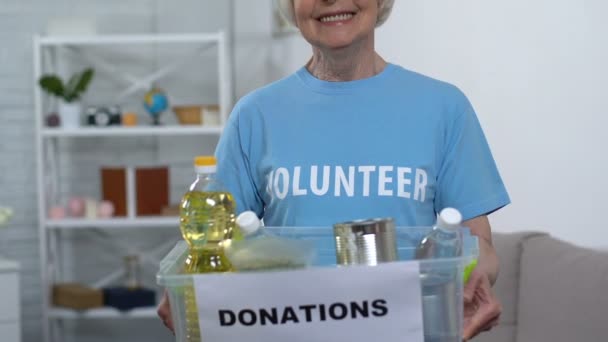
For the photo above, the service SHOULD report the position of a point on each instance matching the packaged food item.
(261, 250)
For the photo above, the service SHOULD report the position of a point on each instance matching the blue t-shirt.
(307, 152)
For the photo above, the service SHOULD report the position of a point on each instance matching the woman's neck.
(348, 64)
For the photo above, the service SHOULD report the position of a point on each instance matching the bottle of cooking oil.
(208, 224)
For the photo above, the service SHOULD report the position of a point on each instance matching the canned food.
(365, 242)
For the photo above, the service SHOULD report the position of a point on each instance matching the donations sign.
(356, 303)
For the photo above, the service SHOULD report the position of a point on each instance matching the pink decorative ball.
(57, 213)
(76, 207)
(105, 209)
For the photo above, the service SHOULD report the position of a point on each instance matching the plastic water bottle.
(445, 239)
(441, 286)
(261, 249)
(250, 225)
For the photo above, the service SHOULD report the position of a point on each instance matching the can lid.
(367, 226)
(249, 222)
(449, 218)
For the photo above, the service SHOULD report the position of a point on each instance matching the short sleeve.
(234, 167)
(468, 178)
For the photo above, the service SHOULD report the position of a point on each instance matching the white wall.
(19, 21)
(534, 71)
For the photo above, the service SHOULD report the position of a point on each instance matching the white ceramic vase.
(69, 114)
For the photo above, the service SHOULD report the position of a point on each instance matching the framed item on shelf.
(152, 189)
(149, 190)
(114, 189)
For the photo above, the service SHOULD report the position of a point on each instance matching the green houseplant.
(5, 215)
(69, 94)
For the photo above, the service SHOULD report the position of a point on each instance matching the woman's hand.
(164, 312)
(481, 307)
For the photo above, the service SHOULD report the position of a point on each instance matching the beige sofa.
(551, 291)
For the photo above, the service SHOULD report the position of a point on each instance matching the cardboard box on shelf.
(77, 296)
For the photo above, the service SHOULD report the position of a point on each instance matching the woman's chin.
(337, 44)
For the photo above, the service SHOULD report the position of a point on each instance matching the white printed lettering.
(314, 171)
(420, 185)
(358, 179)
(402, 181)
(366, 170)
(281, 194)
(269, 184)
(383, 179)
(342, 182)
(296, 183)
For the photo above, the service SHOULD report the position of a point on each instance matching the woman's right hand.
(164, 311)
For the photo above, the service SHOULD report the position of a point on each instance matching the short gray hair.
(286, 8)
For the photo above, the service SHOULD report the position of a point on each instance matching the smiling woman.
(287, 9)
(351, 136)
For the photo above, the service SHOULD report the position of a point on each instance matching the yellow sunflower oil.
(208, 224)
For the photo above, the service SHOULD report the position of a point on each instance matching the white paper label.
(357, 303)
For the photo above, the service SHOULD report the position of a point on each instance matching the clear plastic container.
(442, 302)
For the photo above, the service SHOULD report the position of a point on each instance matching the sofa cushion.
(508, 248)
(563, 295)
(501, 333)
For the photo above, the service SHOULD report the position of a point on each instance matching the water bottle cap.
(249, 222)
(449, 218)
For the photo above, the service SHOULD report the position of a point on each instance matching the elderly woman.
(351, 136)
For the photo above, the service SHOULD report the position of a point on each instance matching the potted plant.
(5, 215)
(68, 94)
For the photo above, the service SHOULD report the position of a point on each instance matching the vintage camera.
(103, 116)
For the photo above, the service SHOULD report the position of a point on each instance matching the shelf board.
(132, 131)
(129, 39)
(116, 223)
(147, 312)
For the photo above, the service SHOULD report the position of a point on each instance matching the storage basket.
(442, 303)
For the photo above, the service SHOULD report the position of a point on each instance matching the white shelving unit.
(46, 140)
(131, 131)
(113, 223)
(102, 313)
(10, 310)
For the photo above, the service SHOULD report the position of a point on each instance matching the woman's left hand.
(481, 307)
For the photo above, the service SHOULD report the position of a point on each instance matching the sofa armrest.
(563, 292)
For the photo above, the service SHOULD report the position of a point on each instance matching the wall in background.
(535, 72)
(19, 21)
(532, 70)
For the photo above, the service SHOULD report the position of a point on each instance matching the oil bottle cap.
(205, 161)
(449, 218)
(249, 222)
(205, 164)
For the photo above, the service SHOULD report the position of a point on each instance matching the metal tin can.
(365, 242)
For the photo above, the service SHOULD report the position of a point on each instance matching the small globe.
(156, 102)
